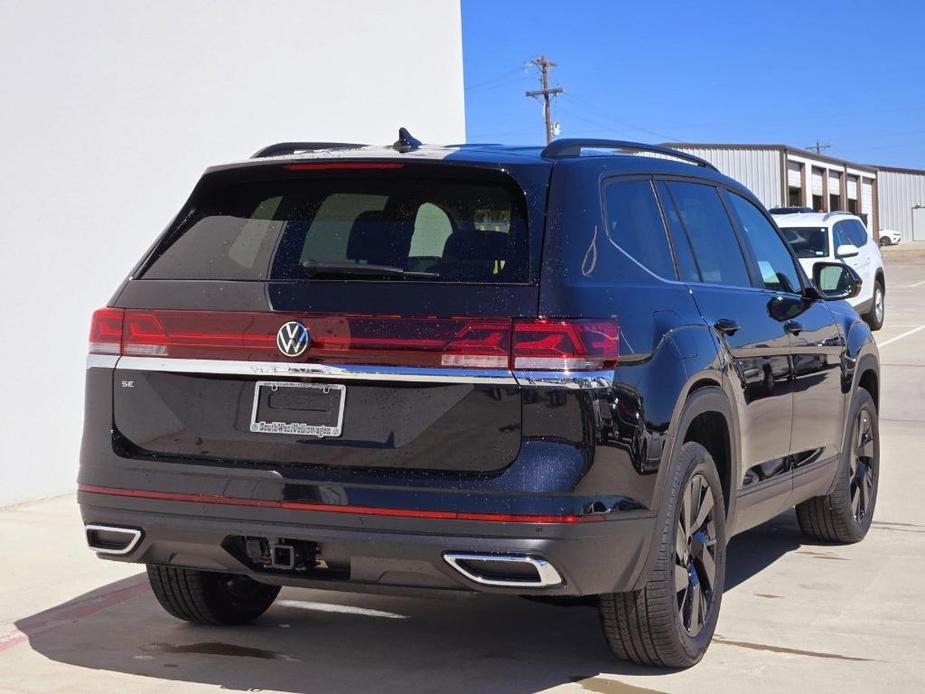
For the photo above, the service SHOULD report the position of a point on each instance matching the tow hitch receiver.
(281, 554)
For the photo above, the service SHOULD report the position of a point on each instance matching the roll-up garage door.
(852, 187)
(794, 177)
(817, 182)
(867, 196)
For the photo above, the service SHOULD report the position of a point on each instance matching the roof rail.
(571, 147)
(835, 212)
(281, 148)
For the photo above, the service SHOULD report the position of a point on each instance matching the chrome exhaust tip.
(507, 570)
(108, 539)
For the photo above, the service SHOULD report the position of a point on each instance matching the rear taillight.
(565, 345)
(430, 342)
(106, 331)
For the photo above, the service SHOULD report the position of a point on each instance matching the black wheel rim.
(695, 554)
(861, 468)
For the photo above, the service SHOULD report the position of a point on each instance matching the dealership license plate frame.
(298, 428)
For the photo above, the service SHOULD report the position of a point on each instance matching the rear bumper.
(379, 554)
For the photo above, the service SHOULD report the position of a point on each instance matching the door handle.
(726, 326)
(792, 327)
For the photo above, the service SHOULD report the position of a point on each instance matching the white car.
(890, 237)
(840, 236)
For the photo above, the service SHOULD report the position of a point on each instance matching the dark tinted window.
(842, 234)
(808, 242)
(859, 233)
(687, 266)
(634, 223)
(775, 264)
(460, 230)
(713, 239)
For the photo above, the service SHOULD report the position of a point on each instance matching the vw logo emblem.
(292, 339)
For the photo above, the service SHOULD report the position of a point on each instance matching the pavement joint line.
(917, 284)
(901, 336)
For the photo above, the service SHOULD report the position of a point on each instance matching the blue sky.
(851, 74)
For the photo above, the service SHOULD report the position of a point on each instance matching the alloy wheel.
(695, 554)
(878, 304)
(861, 467)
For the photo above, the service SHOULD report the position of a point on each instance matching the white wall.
(109, 111)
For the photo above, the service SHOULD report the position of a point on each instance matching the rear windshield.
(807, 242)
(395, 225)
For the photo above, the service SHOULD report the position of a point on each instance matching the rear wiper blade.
(317, 268)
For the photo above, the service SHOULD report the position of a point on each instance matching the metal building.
(902, 201)
(788, 176)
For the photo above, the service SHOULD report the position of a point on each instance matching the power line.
(498, 80)
(546, 92)
(602, 117)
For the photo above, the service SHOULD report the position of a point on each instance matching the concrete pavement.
(795, 615)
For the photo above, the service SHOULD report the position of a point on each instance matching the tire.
(885, 241)
(658, 625)
(878, 310)
(204, 597)
(844, 515)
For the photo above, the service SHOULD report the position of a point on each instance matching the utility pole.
(546, 92)
(818, 147)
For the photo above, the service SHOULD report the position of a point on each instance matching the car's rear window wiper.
(318, 268)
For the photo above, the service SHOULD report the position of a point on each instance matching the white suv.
(840, 236)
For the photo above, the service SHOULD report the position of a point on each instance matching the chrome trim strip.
(102, 361)
(133, 542)
(546, 572)
(573, 380)
(346, 372)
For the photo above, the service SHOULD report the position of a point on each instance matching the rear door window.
(634, 223)
(713, 240)
(841, 235)
(687, 266)
(858, 233)
(404, 225)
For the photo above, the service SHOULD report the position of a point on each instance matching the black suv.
(570, 371)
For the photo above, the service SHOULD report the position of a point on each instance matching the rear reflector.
(335, 508)
(430, 342)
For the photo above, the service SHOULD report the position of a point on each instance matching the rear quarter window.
(634, 223)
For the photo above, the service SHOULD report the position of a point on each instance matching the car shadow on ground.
(319, 641)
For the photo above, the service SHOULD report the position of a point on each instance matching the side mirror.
(846, 250)
(836, 281)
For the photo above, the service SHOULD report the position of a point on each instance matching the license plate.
(303, 409)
